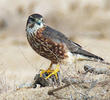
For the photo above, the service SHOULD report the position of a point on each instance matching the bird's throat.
(33, 28)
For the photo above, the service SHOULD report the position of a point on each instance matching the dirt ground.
(19, 64)
(85, 22)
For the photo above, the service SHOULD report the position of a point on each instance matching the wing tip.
(88, 54)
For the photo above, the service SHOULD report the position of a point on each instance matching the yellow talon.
(45, 71)
(54, 72)
(42, 72)
(50, 72)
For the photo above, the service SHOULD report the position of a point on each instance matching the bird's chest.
(46, 47)
(36, 40)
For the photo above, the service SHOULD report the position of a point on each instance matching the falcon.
(54, 45)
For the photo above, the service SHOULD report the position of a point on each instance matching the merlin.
(54, 45)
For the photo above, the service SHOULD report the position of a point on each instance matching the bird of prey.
(54, 45)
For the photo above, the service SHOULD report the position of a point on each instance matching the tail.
(90, 56)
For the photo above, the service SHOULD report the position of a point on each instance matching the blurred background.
(88, 18)
(86, 22)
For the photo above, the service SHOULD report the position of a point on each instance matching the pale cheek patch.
(34, 28)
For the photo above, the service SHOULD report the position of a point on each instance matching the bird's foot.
(49, 73)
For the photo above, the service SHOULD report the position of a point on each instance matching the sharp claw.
(50, 72)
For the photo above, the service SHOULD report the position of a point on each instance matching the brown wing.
(58, 37)
(74, 48)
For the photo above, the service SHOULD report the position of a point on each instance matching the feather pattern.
(73, 47)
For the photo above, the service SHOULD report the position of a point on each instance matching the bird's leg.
(49, 72)
(54, 72)
(50, 66)
(46, 71)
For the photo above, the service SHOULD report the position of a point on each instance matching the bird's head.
(35, 21)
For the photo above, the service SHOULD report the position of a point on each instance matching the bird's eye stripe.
(32, 19)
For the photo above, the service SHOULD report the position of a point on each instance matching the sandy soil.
(19, 64)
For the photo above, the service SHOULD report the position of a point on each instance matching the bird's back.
(73, 47)
(58, 37)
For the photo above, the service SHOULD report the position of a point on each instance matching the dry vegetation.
(86, 22)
